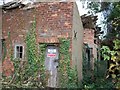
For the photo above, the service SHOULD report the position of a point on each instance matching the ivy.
(10, 49)
(35, 59)
(43, 72)
(32, 73)
(28, 73)
(68, 75)
(32, 50)
(4, 50)
(106, 52)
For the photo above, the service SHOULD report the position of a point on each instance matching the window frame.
(15, 50)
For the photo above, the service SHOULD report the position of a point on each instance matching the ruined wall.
(53, 21)
(89, 39)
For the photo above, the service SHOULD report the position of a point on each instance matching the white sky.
(1, 1)
(82, 10)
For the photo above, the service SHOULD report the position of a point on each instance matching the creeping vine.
(68, 75)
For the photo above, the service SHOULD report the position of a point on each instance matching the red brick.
(54, 19)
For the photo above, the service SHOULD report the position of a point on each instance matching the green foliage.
(10, 50)
(98, 84)
(4, 50)
(106, 52)
(117, 44)
(94, 7)
(28, 73)
(96, 80)
(68, 75)
(115, 12)
(114, 56)
(114, 19)
(32, 73)
(32, 49)
(35, 59)
(43, 72)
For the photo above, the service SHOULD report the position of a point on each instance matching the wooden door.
(51, 64)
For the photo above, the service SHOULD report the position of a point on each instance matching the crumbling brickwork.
(89, 36)
(53, 21)
(89, 40)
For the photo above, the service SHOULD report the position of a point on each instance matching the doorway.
(51, 64)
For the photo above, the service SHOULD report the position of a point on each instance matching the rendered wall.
(77, 41)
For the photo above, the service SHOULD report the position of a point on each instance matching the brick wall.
(53, 21)
(89, 39)
(89, 36)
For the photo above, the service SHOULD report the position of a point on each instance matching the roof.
(89, 21)
(12, 5)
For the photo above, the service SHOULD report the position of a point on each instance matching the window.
(3, 46)
(19, 51)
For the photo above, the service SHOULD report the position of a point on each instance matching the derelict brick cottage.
(53, 21)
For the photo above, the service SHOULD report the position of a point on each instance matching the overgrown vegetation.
(44, 75)
(68, 75)
(27, 74)
(4, 50)
(94, 80)
(111, 41)
(31, 73)
(114, 57)
(97, 78)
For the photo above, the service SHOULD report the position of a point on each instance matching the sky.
(1, 1)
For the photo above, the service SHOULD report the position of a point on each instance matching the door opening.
(51, 64)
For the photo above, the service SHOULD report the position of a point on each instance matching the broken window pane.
(20, 55)
(17, 48)
(19, 51)
(21, 48)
